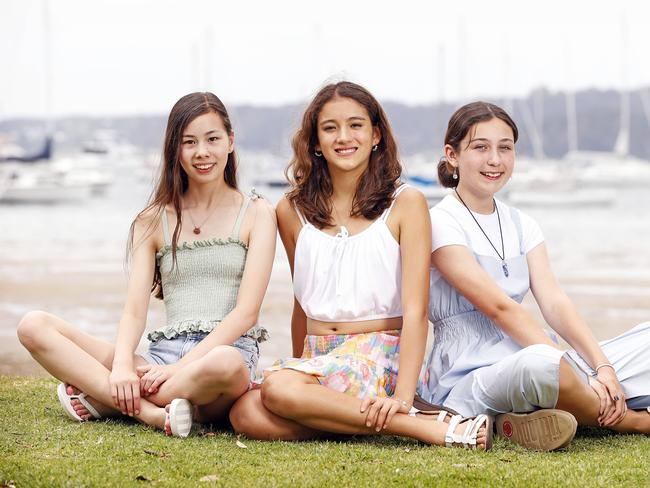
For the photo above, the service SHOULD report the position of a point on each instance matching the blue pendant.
(504, 266)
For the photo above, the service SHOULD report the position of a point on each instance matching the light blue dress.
(474, 367)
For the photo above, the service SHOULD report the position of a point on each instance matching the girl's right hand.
(125, 390)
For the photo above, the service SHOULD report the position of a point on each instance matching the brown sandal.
(541, 430)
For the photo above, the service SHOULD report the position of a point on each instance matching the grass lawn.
(40, 446)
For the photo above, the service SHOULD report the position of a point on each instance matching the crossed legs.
(212, 382)
(293, 406)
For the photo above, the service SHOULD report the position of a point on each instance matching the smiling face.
(205, 146)
(346, 135)
(485, 159)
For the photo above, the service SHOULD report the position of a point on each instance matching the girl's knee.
(534, 375)
(246, 415)
(279, 395)
(224, 366)
(31, 327)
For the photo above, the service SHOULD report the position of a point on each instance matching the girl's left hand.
(617, 408)
(381, 410)
(154, 375)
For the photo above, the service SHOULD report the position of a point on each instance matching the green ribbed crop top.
(202, 288)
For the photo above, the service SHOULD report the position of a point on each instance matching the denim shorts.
(170, 351)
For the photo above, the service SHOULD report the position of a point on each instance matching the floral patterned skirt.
(360, 365)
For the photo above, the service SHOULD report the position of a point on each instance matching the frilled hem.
(220, 241)
(259, 334)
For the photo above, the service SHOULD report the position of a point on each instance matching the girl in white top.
(358, 244)
(489, 355)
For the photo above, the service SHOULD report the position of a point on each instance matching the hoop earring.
(318, 154)
(374, 148)
(455, 175)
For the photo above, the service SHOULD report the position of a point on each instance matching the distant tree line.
(419, 128)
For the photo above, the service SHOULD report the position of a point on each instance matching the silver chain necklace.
(502, 256)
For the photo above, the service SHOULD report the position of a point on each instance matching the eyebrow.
(484, 139)
(206, 134)
(354, 117)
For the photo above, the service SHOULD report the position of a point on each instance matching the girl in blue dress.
(489, 354)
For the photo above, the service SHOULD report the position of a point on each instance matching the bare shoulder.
(263, 210)
(147, 227)
(411, 199)
(261, 204)
(149, 218)
(285, 211)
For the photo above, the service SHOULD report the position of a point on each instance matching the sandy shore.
(93, 301)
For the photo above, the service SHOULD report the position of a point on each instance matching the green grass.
(40, 446)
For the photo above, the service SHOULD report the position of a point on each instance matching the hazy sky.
(139, 56)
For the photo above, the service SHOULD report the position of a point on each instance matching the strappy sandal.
(66, 402)
(421, 406)
(179, 416)
(547, 429)
(468, 438)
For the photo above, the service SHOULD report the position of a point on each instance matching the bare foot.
(81, 410)
(481, 435)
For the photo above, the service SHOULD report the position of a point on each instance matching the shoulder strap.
(302, 218)
(398, 190)
(240, 217)
(165, 227)
(516, 219)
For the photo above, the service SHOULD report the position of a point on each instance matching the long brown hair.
(309, 175)
(460, 124)
(173, 182)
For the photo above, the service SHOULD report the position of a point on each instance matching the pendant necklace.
(197, 228)
(502, 256)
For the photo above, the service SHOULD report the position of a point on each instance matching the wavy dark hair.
(309, 175)
(172, 181)
(460, 123)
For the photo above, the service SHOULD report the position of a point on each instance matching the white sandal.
(468, 438)
(66, 403)
(180, 417)
(439, 413)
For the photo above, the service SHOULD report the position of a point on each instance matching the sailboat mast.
(622, 145)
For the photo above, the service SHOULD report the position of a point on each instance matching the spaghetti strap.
(240, 217)
(165, 227)
(396, 193)
(302, 218)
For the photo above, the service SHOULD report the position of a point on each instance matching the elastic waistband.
(468, 324)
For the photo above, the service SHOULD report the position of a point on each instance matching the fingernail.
(378, 429)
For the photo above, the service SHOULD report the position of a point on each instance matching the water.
(69, 259)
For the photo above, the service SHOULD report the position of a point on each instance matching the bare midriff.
(318, 327)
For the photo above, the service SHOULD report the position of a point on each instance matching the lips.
(492, 175)
(204, 167)
(345, 151)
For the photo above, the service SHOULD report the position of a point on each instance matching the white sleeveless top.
(346, 278)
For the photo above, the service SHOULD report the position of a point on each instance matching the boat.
(39, 185)
(578, 197)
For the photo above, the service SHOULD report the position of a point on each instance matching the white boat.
(38, 184)
(585, 197)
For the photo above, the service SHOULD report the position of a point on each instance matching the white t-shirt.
(451, 222)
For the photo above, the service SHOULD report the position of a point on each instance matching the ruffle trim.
(259, 334)
(214, 241)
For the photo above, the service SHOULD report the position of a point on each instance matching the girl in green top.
(207, 250)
